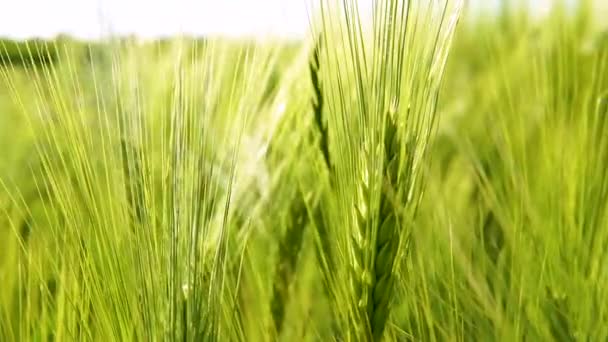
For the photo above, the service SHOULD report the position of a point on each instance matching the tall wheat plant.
(380, 76)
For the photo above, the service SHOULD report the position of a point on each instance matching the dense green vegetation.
(410, 180)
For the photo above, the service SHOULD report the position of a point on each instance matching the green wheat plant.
(142, 181)
(380, 88)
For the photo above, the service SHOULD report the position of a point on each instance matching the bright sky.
(91, 19)
(151, 18)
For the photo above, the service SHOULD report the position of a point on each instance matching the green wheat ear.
(387, 240)
(373, 280)
(318, 101)
(291, 241)
(322, 132)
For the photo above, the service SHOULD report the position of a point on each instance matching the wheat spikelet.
(376, 245)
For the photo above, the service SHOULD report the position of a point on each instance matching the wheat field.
(430, 173)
